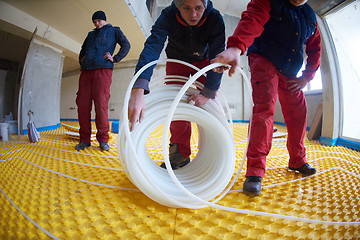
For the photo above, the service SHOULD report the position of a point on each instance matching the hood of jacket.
(207, 11)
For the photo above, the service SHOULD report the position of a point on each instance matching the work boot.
(104, 146)
(82, 146)
(176, 159)
(252, 185)
(305, 169)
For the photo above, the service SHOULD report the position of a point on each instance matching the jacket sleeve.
(313, 52)
(124, 45)
(216, 46)
(152, 49)
(82, 51)
(251, 24)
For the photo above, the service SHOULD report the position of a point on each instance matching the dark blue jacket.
(282, 41)
(100, 41)
(187, 43)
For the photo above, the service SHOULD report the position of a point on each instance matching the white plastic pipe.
(202, 182)
(207, 175)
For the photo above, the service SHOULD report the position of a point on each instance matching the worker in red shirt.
(274, 33)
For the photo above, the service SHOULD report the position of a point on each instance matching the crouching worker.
(196, 34)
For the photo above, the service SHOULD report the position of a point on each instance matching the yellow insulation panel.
(51, 191)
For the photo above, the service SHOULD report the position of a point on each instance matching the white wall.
(236, 90)
(69, 87)
(122, 75)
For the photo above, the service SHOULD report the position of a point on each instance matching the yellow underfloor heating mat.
(48, 190)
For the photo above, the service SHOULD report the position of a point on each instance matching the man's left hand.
(297, 84)
(108, 56)
(198, 99)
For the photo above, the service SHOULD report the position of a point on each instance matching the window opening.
(345, 31)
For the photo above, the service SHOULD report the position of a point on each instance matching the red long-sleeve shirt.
(251, 26)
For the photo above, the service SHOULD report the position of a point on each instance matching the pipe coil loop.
(202, 182)
(207, 175)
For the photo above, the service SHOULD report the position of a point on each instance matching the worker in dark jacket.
(274, 33)
(196, 33)
(97, 62)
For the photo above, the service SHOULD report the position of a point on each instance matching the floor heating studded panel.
(49, 190)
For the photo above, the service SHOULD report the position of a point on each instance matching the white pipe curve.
(185, 194)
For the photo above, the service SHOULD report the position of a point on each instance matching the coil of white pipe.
(207, 175)
(193, 185)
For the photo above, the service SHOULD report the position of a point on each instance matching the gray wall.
(41, 86)
(9, 90)
(2, 94)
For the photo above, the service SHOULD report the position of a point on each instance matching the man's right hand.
(230, 56)
(136, 108)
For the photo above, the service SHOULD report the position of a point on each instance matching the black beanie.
(99, 15)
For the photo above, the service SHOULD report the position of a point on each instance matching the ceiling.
(64, 24)
(322, 7)
(235, 7)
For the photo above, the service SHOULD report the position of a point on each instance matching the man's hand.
(297, 84)
(198, 99)
(136, 109)
(108, 56)
(230, 56)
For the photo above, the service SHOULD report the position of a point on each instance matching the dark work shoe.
(82, 146)
(176, 159)
(252, 185)
(104, 146)
(305, 169)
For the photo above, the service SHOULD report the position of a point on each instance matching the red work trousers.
(94, 85)
(181, 130)
(267, 83)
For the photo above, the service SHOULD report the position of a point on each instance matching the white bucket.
(4, 131)
(12, 126)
